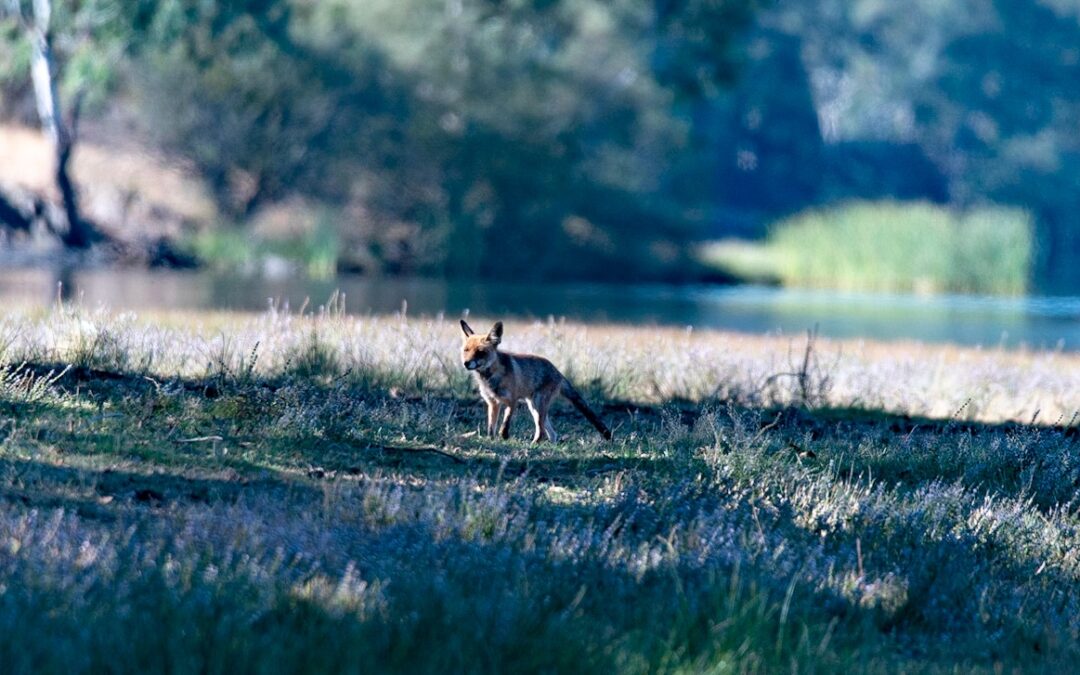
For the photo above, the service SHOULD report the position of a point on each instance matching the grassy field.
(281, 493)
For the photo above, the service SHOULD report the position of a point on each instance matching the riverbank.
(195, 491)
(1033, 323)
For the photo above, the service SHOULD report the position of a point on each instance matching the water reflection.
(1045, 322)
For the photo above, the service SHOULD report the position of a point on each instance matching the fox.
(504, 379)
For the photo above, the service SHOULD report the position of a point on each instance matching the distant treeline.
(580, 138)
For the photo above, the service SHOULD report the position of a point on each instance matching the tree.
(463, 137)
(36, 21)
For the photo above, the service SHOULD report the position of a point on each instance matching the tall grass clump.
(223, 248)
(314, 250)
(894, 246)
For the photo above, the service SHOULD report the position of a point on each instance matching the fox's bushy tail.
(574, 397)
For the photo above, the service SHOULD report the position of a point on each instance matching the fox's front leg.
(492, 416)
(504, 428)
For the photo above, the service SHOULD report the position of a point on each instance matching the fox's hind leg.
(539, 406)
(536, 404)
(552, 436)
(544, 406)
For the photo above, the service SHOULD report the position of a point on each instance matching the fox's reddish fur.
(504, 379)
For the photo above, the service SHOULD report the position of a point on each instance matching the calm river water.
(1037, 322)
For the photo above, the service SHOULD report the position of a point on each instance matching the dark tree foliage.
(514, 139)
(1003, 118)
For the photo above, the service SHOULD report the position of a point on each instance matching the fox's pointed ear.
(495, 335)
(466, 329)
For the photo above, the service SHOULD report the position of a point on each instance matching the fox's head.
(478, 351)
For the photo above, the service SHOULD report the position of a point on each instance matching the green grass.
(315, 252)
(890, 246)
(276, 493)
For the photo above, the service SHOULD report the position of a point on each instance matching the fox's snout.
(471, 364)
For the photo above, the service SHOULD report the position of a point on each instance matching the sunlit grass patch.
(749, 261)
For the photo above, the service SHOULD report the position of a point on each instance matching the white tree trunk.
(41, 71)
(79, 234)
